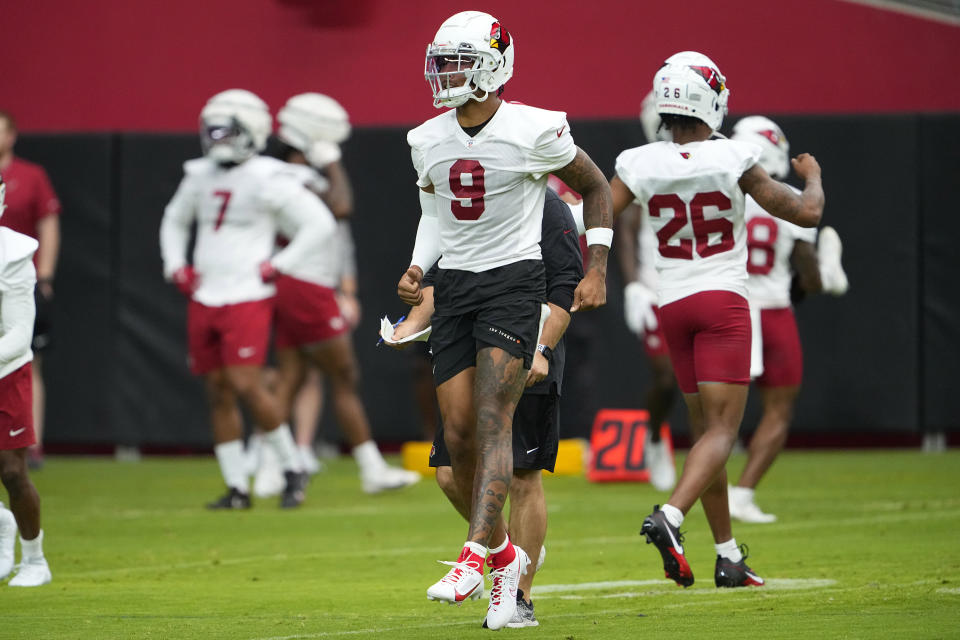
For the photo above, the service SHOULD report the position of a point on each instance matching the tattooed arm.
(582, 175)
(804, 210)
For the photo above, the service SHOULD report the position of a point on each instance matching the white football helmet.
(775, 158)
(650, 120)
(690, 84)
(234, 126)
(473, 45)
(316, 125)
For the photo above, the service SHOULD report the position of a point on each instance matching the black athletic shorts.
(495, 308)
(536, 433)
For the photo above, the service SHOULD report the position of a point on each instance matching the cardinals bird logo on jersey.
(685, 155)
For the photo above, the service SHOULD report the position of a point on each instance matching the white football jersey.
(693, 202)
(18, 278)
(769, 247)
(323, 265)
(490, 188)
(239, 211)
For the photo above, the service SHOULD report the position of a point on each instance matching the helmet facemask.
(445, 67)
(3, 196)
(226, 140)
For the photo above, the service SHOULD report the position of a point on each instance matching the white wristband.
(600, 235)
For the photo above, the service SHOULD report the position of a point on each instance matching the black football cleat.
(232, 499)
(669, 542)
(296, 490)
(736, 574)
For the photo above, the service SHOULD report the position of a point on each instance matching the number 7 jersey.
(691, 197)
(490, 187)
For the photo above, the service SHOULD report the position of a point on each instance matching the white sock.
(476, 548)
(729, 550)
(32, 549)
(368, 457)
(282, 442)
(502, 547)
(253, 452)
(232, 464)
(742, 493)
(674, 516)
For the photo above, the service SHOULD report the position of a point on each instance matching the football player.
(692, 190)
(482, 169)
(311, 329)
(239, 201)
(776, 250)
(18, 278)
(33, 209)
(536, 422)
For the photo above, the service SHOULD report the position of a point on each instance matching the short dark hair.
(11, 123)
(674, 121)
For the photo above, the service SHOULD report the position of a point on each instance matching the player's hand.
(268, 272)
(409, 286)
(186, 280)
(349, 308)
(591, 293)
(403, 329)
(539, 369)
(806, 166)
(638, 304)
(322, 153)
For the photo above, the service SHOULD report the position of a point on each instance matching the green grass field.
(867, 546)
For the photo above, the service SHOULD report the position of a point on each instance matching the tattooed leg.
(497, 389)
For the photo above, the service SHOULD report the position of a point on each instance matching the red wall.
(150, 65)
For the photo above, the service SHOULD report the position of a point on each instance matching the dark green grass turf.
(867, 546)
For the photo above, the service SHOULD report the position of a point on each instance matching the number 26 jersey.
(691, 197)
(490, 187)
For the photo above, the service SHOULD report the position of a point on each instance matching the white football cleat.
(463, 582)
(744, 509)
(663, 473)
(8, 541)
(269, 480)
(388, 478)
(503, 592)
(33, 573)
(829, 250)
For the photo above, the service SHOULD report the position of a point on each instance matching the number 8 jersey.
(693, 201)
(490, 187)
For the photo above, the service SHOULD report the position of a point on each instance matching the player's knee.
(446, 481)
(345, 375)
(13, 475)
(525, 484)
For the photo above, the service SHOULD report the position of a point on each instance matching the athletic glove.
(638, 304)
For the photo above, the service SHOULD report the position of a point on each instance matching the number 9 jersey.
(490, 188)
(691, 197)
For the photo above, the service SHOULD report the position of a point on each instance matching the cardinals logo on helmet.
(775, 138)
(499, 37)
(712, 76)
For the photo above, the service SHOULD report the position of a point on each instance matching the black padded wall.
(877, 360)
